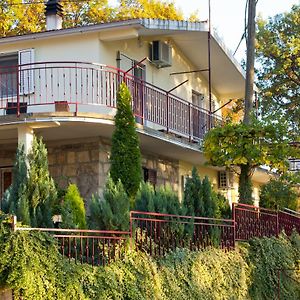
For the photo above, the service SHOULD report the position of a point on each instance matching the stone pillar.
(25, 137)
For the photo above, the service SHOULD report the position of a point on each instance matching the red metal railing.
(95, 247)
(87, 87)
(252, 221)
(158, 233)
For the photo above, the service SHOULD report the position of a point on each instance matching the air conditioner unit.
(161, 54)
(225, 179)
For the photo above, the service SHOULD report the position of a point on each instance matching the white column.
(25, 137)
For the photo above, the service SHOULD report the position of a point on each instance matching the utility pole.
(209, 66)
(249, 89)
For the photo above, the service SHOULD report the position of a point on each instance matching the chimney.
(54, 13)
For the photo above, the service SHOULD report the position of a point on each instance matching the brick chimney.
(54, 13)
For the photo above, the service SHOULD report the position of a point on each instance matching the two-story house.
(61, 84)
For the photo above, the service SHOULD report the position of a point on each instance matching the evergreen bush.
(73, 210)
(193, 196)
(125, 151)
(278, 194)
(145, 198)
(32, 193)
(112, 211)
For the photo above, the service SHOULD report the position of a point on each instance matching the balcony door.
(198, 116)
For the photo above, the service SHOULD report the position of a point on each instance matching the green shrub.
(166, 201)
(112, 211)
(125, 151)
(193, 196)
(32, 193)
(31, 265)
(145, 197)
(223, 210)
(278, 194)
(73, 211)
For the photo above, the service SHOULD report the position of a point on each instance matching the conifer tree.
(73, 210)
(111, 212)
(32, 192)
(210, 206)
(145, 198)
(125, 151)
(193, 197)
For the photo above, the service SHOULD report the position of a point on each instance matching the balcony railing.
(294, 164)
(85, 87)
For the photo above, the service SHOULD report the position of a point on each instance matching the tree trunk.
(245, 185)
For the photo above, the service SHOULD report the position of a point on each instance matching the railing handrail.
(179, 216)
(72, 230)
(20, 67)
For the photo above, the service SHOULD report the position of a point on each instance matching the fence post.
(14, 223)
(131, 229)
(277, 223)
(234, 224)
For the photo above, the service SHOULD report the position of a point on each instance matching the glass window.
(8, 75)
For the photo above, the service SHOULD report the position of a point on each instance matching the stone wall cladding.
(84, 162)
(167, 169)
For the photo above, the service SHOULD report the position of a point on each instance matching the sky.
(227, 16)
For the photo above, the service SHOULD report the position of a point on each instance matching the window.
(223, 179)
(5, 180)
(8, 75)
(150, 176)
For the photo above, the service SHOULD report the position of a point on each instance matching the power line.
(45, 2)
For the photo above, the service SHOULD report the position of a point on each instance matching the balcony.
(76, 87)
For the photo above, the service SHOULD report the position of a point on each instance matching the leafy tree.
(248, 147)
(278, 52)
(73, 211)
(18, 18)
(193, 196)
(278, 194)
(112, 211)
(125, 152)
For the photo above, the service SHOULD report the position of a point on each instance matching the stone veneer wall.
(167, 169)
(86, 163)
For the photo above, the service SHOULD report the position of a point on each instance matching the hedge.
(31, 265)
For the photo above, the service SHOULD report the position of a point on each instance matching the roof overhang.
(228, 78)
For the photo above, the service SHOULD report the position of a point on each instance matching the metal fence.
(157, 233)
(252, 221)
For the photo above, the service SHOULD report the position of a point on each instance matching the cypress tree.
(41, 191)
(193, 197)
(210, 206)
(125, 152)
(32, 192)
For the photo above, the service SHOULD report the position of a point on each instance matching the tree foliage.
(278, 194)
(278, 52)
(110, 212)
(125, 151)
(33, 191)
(18, 18)
(73, 210)
(32, 266)
(248, 147)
